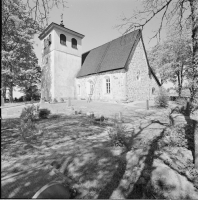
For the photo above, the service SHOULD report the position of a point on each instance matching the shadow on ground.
(81, 154)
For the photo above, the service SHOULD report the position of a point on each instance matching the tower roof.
(54, 25)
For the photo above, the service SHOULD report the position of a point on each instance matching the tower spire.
(62, 20)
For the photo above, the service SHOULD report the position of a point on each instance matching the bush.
(174, 137)
(27, 125)
(44, 113)
(161, 100)
(29, 113)
(61, 100)
(118, 136)
(181, 101)
(28, 130)
(55, 100)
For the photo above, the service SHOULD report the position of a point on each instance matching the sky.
(97, 20)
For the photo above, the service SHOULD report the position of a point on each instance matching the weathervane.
(62, 20)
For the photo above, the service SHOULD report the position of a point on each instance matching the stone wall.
(117, 86)
(139, 83)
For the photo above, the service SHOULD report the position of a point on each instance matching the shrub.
(55, 100)
(50, 99)
(29, 113)
(161, 100)
(28, 130)
(27, 125)
(181, 101)
(61, 100)
(118, 136)
(44, 113)
(174, 137)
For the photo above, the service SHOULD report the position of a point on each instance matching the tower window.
(108, 86)
(63, 39)
(138, 75)
(74, 43)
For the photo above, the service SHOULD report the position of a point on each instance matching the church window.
(74, 43)
(49, 40)
(153, 90)
(78, 89)
(44, 43)
(138, 75)
(108, 90)
(63, 39)
(91, 87)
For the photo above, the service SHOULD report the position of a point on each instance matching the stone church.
(115, 71)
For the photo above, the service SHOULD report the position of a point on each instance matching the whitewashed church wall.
(117, 86)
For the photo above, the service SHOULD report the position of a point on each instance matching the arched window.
(153, 90)
(44, 43)
(138, 75)
(78, 89)
(108, 85)
(74, 43)
(91, 87)
(62, 39)
(49, 39)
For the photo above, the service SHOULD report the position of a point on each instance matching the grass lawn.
(73, 149)
(82, 151)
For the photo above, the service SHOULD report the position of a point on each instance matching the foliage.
(118, 136)
(172, 60)
(174, 137)
(28, 130)
(44, 113)
(181, 101)
(29, 113)
(28, 127)
(161, 99)
(55, 100)
(19, 62)
(62, 100)
(32, 93)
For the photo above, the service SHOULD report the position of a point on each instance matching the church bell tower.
(61, 61)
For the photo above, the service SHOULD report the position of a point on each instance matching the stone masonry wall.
(139, 88)
(117, 86)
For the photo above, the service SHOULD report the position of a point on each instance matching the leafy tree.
(172, 59)
(31, 93)
(175, 13)
(18, 57)
(21, 19)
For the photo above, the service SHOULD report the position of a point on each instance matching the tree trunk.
(11, 94)
(179, 84)
(179, 90)
(4, 92)
(194, 14)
